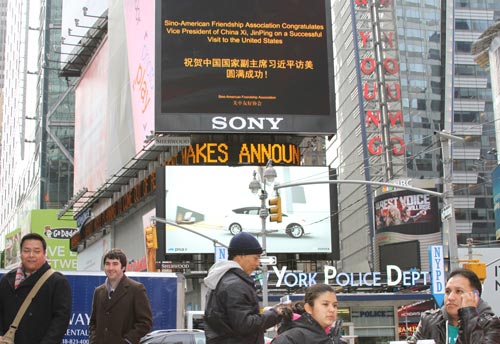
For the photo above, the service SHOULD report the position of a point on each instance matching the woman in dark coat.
(320, 313)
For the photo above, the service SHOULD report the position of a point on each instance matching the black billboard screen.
(406, 255)
(244, 66)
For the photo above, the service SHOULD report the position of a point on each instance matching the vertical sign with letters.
(436, 260)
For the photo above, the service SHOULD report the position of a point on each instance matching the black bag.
(216, 320)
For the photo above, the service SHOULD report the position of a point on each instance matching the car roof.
(161, 332)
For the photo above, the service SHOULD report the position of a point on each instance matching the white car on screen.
(248, 219)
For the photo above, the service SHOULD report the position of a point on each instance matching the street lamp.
(255, 186)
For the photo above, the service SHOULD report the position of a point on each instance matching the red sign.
(389, 92)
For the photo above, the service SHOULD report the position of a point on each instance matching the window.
(462, 24)
(435, 71)
(424, 164)
(435, 105)
(421, 104)
(463, 47)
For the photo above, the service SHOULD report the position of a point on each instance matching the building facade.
(418, 37)
(37, 141)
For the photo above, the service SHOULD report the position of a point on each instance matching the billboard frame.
(245, 121)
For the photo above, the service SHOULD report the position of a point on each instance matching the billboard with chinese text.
(249, 66)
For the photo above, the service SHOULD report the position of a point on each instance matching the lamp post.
(449, 231)
(255, 186)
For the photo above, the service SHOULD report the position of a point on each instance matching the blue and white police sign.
(436, 260)
(220, 253)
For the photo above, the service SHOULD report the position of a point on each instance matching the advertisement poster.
(410, 222)
(139, 22)
(56, 233)
(216, 201)
(406, 212)
(12, 250)
(162, 294)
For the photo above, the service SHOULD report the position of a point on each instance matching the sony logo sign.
(246, 123)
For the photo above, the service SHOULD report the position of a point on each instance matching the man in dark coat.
(47, 318)
(232, 314)
(121, 312)
(464, 317)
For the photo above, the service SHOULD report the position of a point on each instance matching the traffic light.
(275, 209)
(151, 240)
(476, 266)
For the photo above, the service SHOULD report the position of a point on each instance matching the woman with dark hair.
(320, 312)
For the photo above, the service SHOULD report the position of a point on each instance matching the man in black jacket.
(232, 314)
(464, 318)
(47, 317)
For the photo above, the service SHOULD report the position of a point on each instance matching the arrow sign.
(268, 260)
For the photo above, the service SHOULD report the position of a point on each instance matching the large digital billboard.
(249, 66)
(216, 201)
(405, 217)
(406, 212)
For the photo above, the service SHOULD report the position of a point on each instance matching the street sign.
(268, 260)
(221, 253)
(446, 212)
(167, 266)
(173, 140)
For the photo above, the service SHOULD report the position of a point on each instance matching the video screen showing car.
(216, 201)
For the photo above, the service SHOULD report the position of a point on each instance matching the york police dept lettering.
(394, 276)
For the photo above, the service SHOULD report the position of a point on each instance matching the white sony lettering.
(219, 122)
(234, 120)
(274, 122)
(250, 123)
(258, 122)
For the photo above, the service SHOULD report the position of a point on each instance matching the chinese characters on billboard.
(244, 66)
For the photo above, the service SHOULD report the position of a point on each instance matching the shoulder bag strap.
(30, 297)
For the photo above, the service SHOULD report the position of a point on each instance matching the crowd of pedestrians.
(35, 301)
(35, 305)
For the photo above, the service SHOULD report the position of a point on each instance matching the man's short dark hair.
(34, 236)
(474, 281)
(116, 253)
